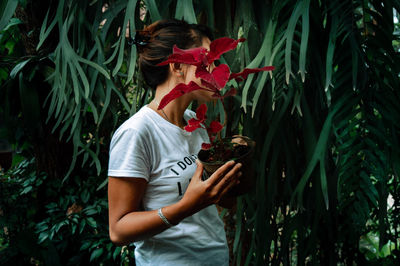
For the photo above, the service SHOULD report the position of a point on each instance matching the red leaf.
(215, 80)
(206, 146)
(210, 86)
(182, 59)
(221, 75)
(245, 72)
(194, 56)
(202, 72)
(215, 127)
(201, 112)
(198, 53)
(178, 91)
(191, 128)
(194, 123)
(221, 46)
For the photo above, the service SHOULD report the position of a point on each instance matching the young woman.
(157, 197)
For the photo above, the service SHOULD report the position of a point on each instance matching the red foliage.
(213, 81)
(221, 46)
(194, 56)
(214, 127)
(206, 146)
(195, 123)
(245, 72)
(177, 92)
(199, 121)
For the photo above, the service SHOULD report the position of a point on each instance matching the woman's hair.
(155, 43)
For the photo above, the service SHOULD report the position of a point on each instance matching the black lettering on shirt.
(179, 189)
(188, 161)
(172, 169)
(182, 165)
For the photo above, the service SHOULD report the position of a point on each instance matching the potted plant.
(214, 79)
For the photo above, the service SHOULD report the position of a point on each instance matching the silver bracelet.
(165, 220)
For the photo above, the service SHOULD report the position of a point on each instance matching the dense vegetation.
(326, 123)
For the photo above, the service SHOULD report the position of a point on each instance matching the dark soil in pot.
(237, 148)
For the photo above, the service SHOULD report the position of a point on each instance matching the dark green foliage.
(56, 225)
(326, 124)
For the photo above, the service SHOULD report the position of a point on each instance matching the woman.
(157, 198)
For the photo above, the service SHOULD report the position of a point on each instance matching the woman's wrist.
(175, 213)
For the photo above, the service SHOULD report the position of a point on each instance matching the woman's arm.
(127, 223)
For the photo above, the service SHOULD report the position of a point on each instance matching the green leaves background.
(325, 121)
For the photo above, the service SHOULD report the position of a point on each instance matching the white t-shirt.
(147, 146)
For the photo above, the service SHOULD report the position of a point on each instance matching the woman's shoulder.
(145, 122)
(138, 124)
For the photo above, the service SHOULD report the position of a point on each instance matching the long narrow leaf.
(304, 38)
(152, 7)
(184, 10)
(7, 13)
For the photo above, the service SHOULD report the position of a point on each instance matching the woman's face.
(201, 95)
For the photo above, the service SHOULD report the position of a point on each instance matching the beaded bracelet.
(165, 220)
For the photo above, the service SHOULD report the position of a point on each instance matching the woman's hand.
(128, 223)
(201, 194)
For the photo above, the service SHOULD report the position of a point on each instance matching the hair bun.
(156, 41)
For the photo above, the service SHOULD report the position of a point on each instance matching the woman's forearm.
(138, 225)
(128, 224)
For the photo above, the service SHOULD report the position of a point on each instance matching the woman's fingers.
(200, 194)
(199, 170)
(220, 173)
(230, 185)
(229, 179)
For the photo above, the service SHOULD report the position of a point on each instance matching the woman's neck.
(174, 110)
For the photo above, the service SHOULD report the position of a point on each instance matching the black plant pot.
(247, 179)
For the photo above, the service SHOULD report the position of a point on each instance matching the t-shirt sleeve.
(128, 155)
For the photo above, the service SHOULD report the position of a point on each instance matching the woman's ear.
(176, 69)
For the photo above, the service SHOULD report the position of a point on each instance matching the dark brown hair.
(159, 39)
